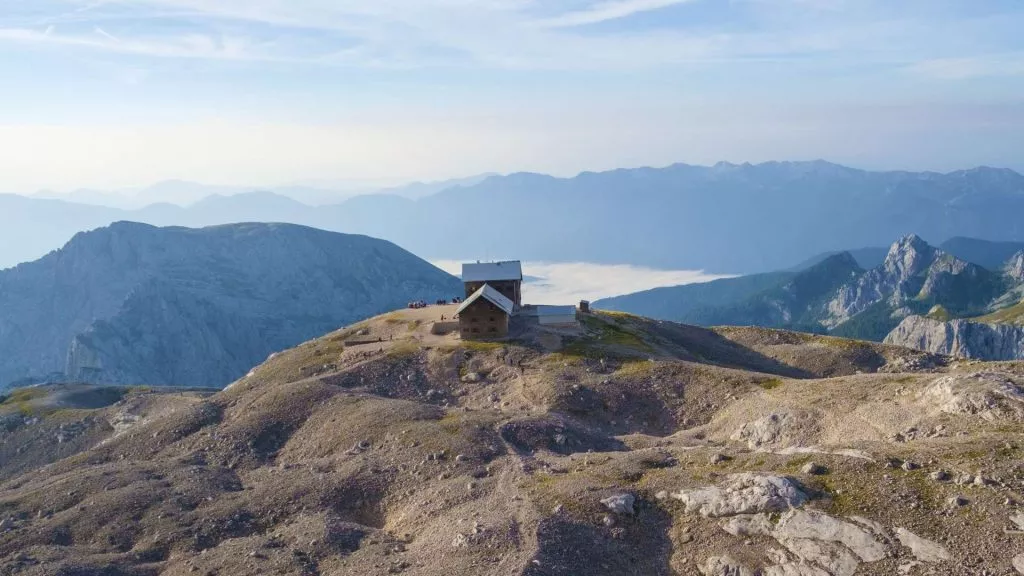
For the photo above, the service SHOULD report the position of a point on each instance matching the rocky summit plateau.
(627, 446)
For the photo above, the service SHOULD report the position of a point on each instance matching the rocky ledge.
(960, 338)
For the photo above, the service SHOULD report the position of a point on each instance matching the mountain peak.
(909, 256)
(166, 306)
(911, 241)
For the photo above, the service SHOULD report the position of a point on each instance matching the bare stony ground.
(629, 447)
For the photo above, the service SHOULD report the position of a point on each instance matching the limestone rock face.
(778, 430)
(960, 338)
(1018, 564)
(914, 271)
(745, 493)
(815, 539)
(620, 503)
(136, 304)
(907, 260)
(923, 549)
(987, 395)
(1015, 267)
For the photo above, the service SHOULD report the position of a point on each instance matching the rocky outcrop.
(1014, 268)
(815, 543)
(136, 304)
(776, 431)
(743, 494)
(960, 338)
(990, 396)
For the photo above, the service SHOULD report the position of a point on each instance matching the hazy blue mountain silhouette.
(135, 304)
(725, 218)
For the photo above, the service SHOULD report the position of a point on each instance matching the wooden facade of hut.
(485, 315)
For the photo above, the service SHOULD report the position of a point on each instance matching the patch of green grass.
(1011, 315)
(844, 343)
(793, 465)
(403, 349)
(636, 368)
(938, 312)
(21, 400)
(927, 490)
(843, 503)
(478, 346)
(24, 395)
(69, 414)
(770, 384)
(617, 314)
(451, 423)
(605, 333)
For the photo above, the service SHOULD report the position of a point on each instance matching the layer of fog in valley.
(569, 282)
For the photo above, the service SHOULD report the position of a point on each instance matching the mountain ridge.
(133, 303)
(847, 301)
(641, 216)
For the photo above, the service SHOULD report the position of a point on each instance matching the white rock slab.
(923, 549)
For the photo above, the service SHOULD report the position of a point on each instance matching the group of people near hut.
(423, 304)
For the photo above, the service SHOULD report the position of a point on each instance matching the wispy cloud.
(999, 65)
(605, 11)
(181, 46)
(101, 32)
(528, 34)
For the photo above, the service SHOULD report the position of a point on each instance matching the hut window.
(492, 318)
(493, 329)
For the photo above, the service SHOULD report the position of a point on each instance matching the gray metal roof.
(491, 295)
(554, 311)
(492, 271)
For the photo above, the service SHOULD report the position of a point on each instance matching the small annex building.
(555, 316)
(504, 277)
(485, 314)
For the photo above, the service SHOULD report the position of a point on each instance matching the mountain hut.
(485, 315)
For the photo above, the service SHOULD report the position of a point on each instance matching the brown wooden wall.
(483, 321)
(511, 289)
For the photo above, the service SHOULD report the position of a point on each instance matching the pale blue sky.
(261, 92)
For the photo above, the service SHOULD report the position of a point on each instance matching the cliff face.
(136, 304)
(1015, 267)
(912, 270)
(960, 338)
(913, 278)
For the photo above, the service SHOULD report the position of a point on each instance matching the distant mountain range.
(135, 304)
(838, 296)
(184, 193)
(725, 218)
